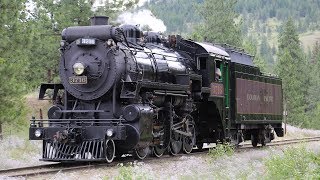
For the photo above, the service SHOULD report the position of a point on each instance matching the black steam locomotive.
(125, 92)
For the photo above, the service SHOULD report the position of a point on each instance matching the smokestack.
(99, 20)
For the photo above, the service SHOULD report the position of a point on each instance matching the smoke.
(143, 18)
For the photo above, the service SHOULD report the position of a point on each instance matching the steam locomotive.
(125, 92)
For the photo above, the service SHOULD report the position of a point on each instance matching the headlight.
(38, 133)
(78, 68)
(109, 132)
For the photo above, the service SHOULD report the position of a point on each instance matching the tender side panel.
(258, 99)
(254, 97)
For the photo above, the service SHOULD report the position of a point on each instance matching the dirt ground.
(17, 153)
(248, 164)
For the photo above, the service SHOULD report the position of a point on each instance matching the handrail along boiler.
(125, 92)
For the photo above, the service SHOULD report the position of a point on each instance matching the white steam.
(143, 18)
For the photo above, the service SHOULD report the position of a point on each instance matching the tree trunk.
(1, 131)
(49, 75)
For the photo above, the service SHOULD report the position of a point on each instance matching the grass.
(295, 163)
(18, 153)
(19, 128)
(221, 150)
(125, 172)
(20, 125)
(128, 172)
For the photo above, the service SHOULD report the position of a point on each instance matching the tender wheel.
(265, 137)
(110, 150)
(263, 140)
(175, 144)
(200, 146)
(188, 141)
(141, 153)
(158, 150)
(254, 140)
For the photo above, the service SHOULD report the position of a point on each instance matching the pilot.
(218, 74)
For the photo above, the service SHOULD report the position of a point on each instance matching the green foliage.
(219, 22)
(313, 98)
(305, 12)
(13, 61)
(292, 67)
(128, 172)
(251, 48)
(295, 163)
(221, 150)
(125, 172)
(29, 48)
(266, 51)
(178, 15)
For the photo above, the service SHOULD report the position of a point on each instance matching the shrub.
(224, 149)
(295, 163)
(131, 171)
(125, 172)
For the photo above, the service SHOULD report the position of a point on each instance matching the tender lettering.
(256, 97)
(268, 99)
(253, 97)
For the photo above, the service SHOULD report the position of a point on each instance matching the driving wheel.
(110, 150)
(188, 141)
(175, 144)
(141, 153)
(158, 150)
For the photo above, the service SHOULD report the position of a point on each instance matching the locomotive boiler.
(125, 92)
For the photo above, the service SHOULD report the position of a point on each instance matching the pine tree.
(313, 98)
(292, 68)
(13, 59)
(250, 46)
(266, 51)
(219, 22)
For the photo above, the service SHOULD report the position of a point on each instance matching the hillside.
(180, 15)
(260, 20)
(309, 39)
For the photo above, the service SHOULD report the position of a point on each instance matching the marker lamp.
(109, 132)
(38, 133)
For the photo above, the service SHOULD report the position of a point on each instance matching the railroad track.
(55, 168)
(40, 169)
(285, 142)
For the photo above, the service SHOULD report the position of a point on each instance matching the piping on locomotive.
(123, 92)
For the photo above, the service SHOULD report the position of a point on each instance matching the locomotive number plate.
(78, 80)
